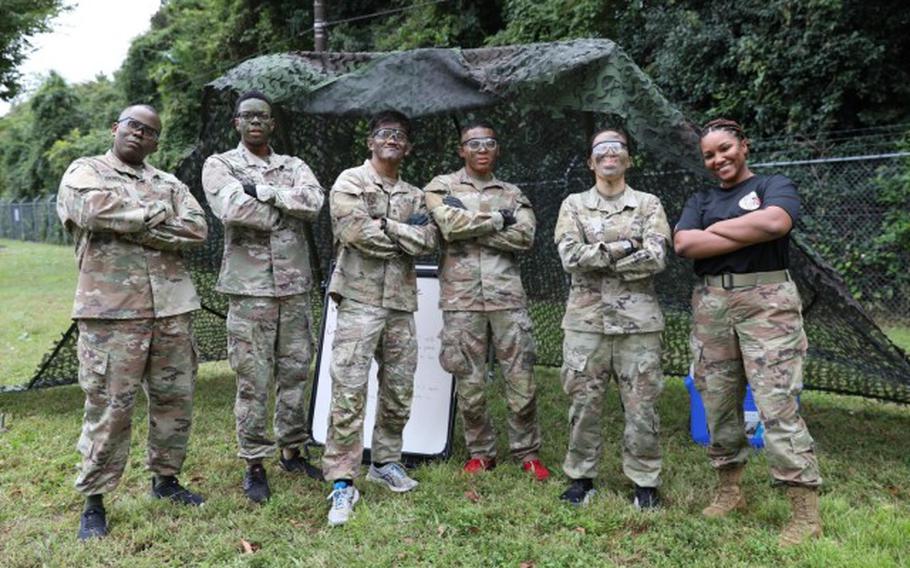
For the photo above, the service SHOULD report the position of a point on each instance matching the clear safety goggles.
(476, 144)
(394, 134)
(608, 148)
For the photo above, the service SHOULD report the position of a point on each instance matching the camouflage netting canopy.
(546, 100)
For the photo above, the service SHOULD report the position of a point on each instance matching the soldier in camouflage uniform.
(134, 297)
(265, 201)
(485, 223)
(612, 240)
(748, 326)
(380, 224)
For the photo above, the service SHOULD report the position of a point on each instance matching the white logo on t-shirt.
(750, 202)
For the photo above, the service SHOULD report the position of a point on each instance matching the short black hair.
(387, 116)
(476, 124)
(252, 95)
(609, 128)
(146, 106)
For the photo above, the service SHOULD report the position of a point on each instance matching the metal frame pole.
(320, 29)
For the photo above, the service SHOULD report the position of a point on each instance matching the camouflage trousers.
(269, 342)
(753, 335)
(589, 360)
(464, 354)
(116, 357)
(362, 333)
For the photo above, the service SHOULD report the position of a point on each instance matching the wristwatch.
(628, 247)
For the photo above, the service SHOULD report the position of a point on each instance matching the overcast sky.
(91, 38)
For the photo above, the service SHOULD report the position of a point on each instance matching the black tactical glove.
(419, 219)
(453, 201)
(508, 218)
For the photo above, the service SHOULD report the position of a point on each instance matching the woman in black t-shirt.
(748, 325)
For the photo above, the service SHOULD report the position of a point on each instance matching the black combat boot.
(256, 484)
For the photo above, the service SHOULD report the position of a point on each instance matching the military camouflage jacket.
(373, 266)
(612, 293)
(266, 252)
(129, 269)
(479, 269)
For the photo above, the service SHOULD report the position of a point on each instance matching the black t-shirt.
(709, 206)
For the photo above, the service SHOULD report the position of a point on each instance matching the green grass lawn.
(498, 519)
(37, 283)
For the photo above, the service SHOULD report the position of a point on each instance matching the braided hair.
(725, 124)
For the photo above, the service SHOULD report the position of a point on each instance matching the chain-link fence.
(32, 220)
(843, 217)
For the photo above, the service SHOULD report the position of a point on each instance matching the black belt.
(729, 281)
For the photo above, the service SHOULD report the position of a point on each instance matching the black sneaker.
(256, 485)
(169, 488)
(646, 498)
(579, 492)
(300, 464)
(93, 524)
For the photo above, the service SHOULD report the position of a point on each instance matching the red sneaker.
(539, 470)
(476, 465)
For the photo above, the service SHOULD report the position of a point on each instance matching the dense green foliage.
(60, 122)
(21, 19)
(779, 66)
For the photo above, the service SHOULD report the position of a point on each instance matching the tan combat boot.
(729, 495)
(805, 522)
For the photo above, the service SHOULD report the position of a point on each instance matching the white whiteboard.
(428, 433)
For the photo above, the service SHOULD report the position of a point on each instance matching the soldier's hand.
(156, 213)
(508, 217)
(453, 201)
(418, 219)
(250, 189)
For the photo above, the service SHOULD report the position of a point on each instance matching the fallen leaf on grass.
(440, 530)
(472, 496)
(297, 524)
(473, 530)
(249, 547)
(408, 540)
(580, 530)
(528, 564)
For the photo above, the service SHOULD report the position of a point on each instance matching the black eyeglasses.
(475, 144)
(143, 129)
(250, 116)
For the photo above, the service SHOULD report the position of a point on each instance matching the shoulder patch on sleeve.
(439, 184)
(349, 182)
(82, 176)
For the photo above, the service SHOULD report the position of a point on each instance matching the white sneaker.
(393, 476)
(342, 504)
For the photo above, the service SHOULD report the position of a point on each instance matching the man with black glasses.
(380, 223)
(485, 224)
(265, 201)
(134, 299)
